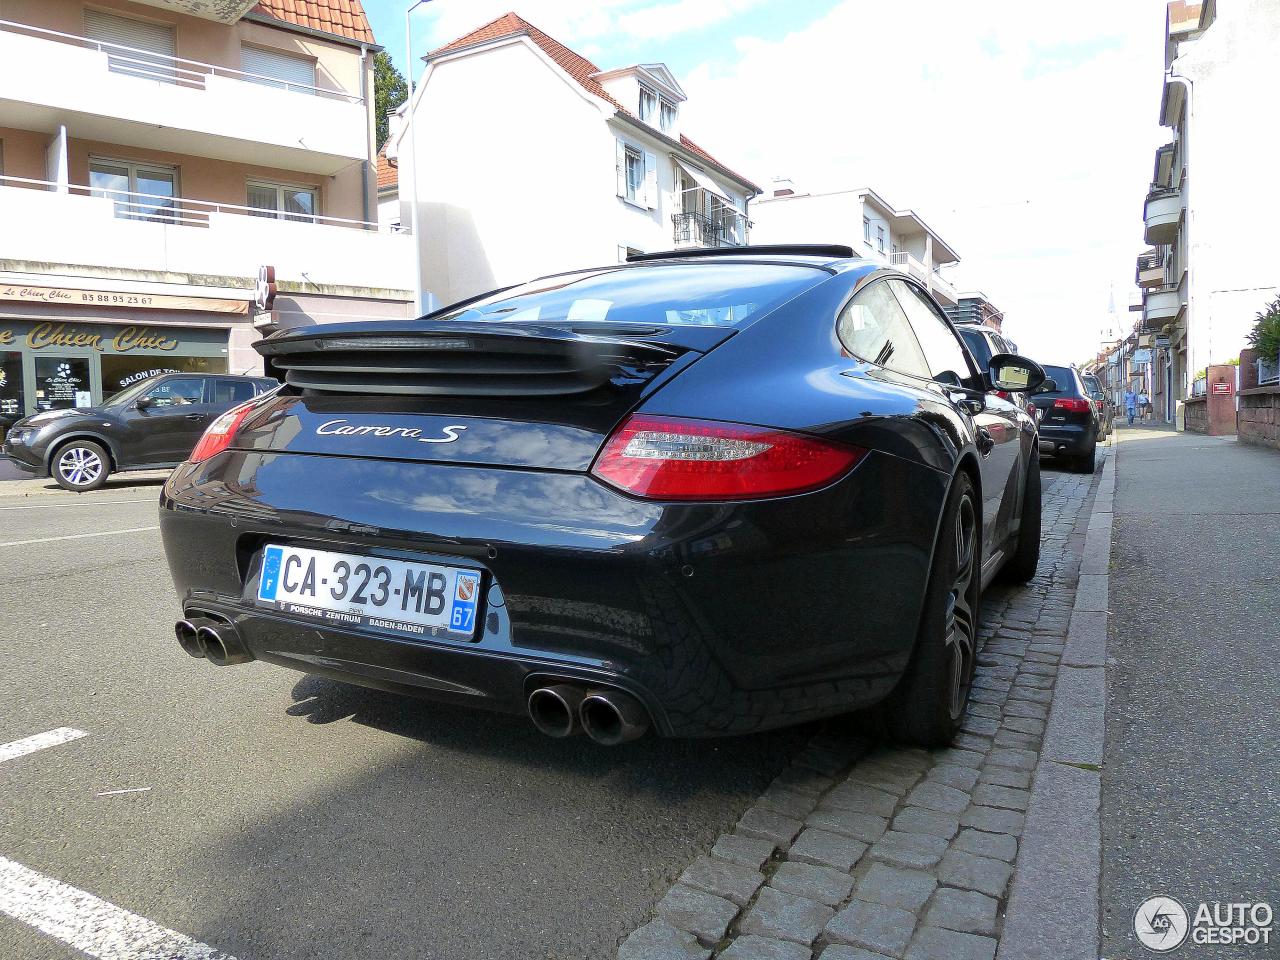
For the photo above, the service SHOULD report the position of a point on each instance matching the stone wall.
(1260, 416)
(1196, 412)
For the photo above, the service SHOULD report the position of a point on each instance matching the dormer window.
(648, 106)
(668, 114)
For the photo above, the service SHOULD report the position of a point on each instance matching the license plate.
(419, 600)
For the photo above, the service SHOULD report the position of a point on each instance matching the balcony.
(224, 11)
(1150, 272)
(130, 231)
(696, 230)
(943, 289)
(1161, 214)
(1159, 306)
(909, 265)
(115, 94)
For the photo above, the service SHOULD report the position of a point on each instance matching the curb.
(1054, 904)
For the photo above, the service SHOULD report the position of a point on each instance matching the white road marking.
(75, 536)
(90, 924)
(79, 503)
(20, 748)
(115, 793)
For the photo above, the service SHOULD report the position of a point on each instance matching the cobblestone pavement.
(862, 850)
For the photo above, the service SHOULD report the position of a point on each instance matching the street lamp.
(410, 131)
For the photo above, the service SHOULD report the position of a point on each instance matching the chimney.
(783, 187)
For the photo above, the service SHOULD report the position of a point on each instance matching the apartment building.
(542, 161)
(861, 219)
(972, 306)
(1208, 222)
(155, 157)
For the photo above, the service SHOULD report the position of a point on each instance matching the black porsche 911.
(704, 492)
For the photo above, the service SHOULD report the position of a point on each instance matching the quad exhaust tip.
(554, 710)
(609, 717)
(217, 642)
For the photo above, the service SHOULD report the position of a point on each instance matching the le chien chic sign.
(64, 335)
(107, 298)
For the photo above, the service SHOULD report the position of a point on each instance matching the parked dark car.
(1106, 409)
(706, 492)
(985, 343)
(152, 423)
(1069, 422)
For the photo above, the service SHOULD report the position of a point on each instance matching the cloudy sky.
(1022, 131)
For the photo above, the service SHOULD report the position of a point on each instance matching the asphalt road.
(287, 817)
(1191, 784)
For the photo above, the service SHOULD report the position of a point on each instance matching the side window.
(181, 391)
(943, 354)
(874, 328)
(232, 391)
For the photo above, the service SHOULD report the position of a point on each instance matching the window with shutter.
(138, 48)
(275, 68)
(650, 181)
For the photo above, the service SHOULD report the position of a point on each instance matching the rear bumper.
(719, 618)
(1069, 440)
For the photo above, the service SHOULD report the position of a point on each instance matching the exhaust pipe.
(188, 634)
(611, 717)
(222, 646)
(554, 710)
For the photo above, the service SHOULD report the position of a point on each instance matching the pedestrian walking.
(1130, 405)
(1144, 405)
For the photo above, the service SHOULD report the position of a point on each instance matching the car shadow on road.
(667, 769)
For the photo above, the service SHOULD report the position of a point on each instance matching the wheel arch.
(56, 447)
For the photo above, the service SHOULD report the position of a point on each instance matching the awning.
(701, 179)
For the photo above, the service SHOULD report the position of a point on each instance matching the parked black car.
(1106, 409)
(1070, 425)
(152, 423)
(709, 492)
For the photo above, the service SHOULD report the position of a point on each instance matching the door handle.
(195, 416)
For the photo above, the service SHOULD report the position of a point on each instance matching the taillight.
(671, 458)
(221, 432)
(1072, 404)
(1004, 394)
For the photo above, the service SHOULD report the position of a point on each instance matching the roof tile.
(343, 18)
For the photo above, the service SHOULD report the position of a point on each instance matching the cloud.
(1023, 132)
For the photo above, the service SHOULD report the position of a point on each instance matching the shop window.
(62, 383)
(10, 388)
(120, 372)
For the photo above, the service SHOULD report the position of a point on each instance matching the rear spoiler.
(494, 359)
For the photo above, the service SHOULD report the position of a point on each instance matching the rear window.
(1092, 385)
(1065, 379)
(697, 294)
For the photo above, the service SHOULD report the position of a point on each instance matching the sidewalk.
(1191, 784)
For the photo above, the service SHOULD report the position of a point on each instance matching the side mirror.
(1008, 371)
(142, 403)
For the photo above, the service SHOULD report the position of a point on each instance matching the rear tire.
(927, 707)
(80, 466)
(1021, 567)
(1085, 463)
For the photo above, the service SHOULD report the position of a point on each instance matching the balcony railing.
(185, 211)
(134, 62)
(698, 230)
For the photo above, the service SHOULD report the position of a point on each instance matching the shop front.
(52, 364)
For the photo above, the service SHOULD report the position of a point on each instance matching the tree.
(389, 91)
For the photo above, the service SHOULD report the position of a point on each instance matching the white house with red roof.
(534, 160)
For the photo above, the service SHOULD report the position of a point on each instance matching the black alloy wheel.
(927, 707)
